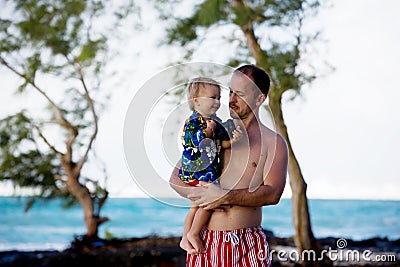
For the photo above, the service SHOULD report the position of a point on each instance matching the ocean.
(49, 226)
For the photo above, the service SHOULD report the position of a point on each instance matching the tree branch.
(59, 116)
(60, 119)
(102, 166)
(101, 220)
(46, 141)
(297, 45)
(260, 18)
(102, 200)
(59, 178)
(95, 121)
(248, 31)
(296, 51)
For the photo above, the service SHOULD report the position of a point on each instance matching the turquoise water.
(49, 226)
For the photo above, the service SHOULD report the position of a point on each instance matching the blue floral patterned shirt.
(200, 159)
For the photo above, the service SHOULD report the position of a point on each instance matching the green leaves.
(20, 158)
(211, 11)
(45, 33)
(183, 32)
(46, 25)
(8, 42)
(30, 168)
(89, 51)
(206, 14)
(14, 130)
(22, 161)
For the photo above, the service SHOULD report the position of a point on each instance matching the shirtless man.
(254, 175)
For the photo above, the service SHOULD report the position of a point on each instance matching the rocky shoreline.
(165, 252)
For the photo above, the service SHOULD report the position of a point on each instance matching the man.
(254, 175)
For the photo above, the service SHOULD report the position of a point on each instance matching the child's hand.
(236, 135)
(211, 124)
(202, 183)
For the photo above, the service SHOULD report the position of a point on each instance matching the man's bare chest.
(243, 164)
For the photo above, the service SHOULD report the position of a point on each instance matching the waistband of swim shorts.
(241, 231)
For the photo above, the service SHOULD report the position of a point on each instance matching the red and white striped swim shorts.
(235, 248)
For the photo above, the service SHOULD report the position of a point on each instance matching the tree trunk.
(304, 237)
(82, 194)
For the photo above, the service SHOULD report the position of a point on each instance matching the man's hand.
(209, 196)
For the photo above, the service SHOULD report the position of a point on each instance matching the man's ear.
(261, 98)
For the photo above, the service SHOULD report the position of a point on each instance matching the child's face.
(207, 100)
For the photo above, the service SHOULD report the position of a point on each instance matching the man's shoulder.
(268, 132)
(272, 136)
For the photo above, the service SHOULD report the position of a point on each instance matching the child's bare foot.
(185, 245)
(196, 242)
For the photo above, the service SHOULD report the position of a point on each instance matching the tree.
(57, 49)
(270, 33)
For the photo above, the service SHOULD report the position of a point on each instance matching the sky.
(344, 128)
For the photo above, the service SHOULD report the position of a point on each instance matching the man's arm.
(275, 170)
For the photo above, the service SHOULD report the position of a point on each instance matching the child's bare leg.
(185, 244)
(200, 219)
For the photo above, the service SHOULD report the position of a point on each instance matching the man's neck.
(251, 121)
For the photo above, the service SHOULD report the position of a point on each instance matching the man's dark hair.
(258, 75)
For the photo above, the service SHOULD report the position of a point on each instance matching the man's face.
(242, 96)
